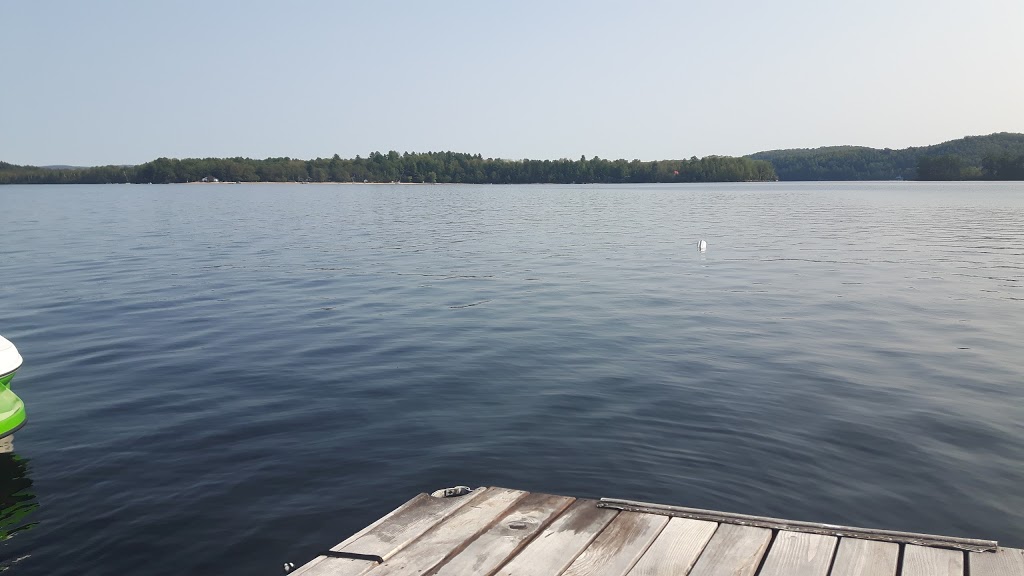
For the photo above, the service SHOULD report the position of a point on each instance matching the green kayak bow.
(12, 409)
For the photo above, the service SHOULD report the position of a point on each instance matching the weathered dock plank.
(1003, 562)
(799, 554)
(550, 553)
(619, 546)
(865, 558)
(387, 535)
(406, 523)
(451, 536)
(733, 551)
(490, 550)
(676, 549)
(923, 561)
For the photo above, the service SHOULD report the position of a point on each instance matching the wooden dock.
(497, 531)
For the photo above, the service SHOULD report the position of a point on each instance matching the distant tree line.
(430, 167)
(993, 157)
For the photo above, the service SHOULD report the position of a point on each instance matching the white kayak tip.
(702, 246)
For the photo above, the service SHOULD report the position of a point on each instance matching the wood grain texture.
(865, 558)
(519, 525)
(619, 546)
(799, 554)
(1003, 562)
(971, 544)
(406, 523)
(324, 566)
(552, 551)
(733, 551)
(451, 536)
(676, 549)
(922, 561)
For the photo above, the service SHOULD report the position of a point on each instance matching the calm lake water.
(221, 379)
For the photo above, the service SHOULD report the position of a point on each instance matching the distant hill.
(975, 157)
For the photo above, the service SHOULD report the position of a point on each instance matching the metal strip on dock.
(967, 544)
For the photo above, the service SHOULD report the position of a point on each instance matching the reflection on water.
(17, 500)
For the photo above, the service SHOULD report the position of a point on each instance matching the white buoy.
(702, 246)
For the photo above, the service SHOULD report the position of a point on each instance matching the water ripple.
(220, 380)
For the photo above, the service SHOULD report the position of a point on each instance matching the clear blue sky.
(127, 81)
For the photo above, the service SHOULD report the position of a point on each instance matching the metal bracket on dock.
(969, 544)
(353, 556)
(451, 492)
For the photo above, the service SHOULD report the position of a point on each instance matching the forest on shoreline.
(994, 157)
(997, 156)
(430, 167)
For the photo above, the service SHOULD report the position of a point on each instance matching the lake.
(223, 378)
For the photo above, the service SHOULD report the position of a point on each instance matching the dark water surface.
(223, 378)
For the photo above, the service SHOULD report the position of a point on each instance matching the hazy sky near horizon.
(123, 82)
